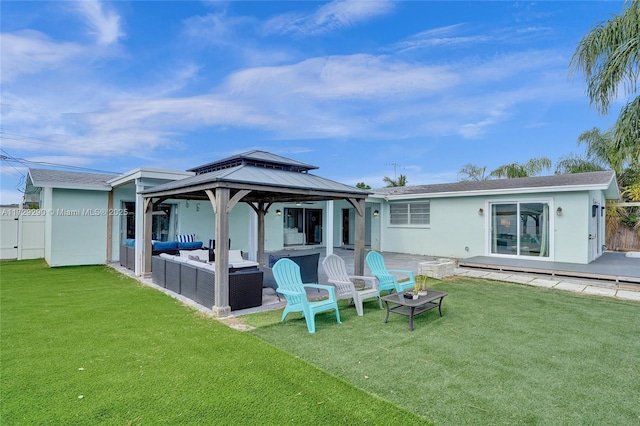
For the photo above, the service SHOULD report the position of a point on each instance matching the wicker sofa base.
(198, 284)
(308, 264)
(128, 255)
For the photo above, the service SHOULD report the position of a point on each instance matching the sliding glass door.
(520, 229)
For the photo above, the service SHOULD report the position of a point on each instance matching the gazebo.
(259, 179)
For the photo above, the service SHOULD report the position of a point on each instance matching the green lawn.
(501, 354)
(86, 345)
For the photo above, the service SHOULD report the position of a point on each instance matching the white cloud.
(329, 17)
(338, 77)
(442, 36)
(361, 96)
(103, 24)
(29, 52)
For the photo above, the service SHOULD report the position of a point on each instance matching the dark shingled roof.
(71, 180)
(589, 180)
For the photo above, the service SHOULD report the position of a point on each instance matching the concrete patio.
(569, 277)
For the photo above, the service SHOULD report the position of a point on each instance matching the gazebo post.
(146, 240)
(261, 213)
(358, 261)
(221, 306)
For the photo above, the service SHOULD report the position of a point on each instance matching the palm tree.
(576, 164)
(516, 170)
(471, 172)
(602, 149)
(608, 58)
(401, 181)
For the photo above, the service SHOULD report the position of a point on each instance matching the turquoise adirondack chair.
(287, 275)
(387, 278)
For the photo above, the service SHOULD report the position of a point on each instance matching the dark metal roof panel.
(261, 176)
(258, 156)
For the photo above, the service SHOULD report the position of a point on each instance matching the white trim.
(148, 173)
(78, 186)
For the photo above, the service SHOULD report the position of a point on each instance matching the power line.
(27, 163)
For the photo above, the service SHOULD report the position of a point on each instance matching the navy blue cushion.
(190, 245)
(165, 245)
(131, 242)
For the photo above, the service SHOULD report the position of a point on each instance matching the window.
(520, 229)
(162, 229)
(410, 213)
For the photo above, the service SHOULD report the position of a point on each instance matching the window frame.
(422, 208)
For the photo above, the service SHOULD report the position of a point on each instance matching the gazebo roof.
(270, 178)
(255, 158)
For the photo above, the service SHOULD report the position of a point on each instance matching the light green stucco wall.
(274, 228)
(240, 226)
(78, 222)
(196, 218)
(571, 235)
(457, 225)
(45, 203)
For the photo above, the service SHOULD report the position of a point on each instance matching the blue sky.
(352, 87)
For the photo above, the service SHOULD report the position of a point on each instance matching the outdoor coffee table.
(413, 307)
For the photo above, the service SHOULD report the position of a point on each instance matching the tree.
(471, 172)
(602, 149)
(362, 185)
(401, 181)
(576, 164)
(608, 57)
(516, 170)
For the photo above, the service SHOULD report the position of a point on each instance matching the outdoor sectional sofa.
(195, 280)
(128, 253)
(308, 264)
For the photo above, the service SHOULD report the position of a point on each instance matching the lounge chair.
(287, 275)
(387, 278)
(336, 270)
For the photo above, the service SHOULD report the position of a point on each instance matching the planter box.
(438, 269)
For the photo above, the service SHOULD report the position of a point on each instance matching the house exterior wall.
(196, 217)
(46, 196)
(454, 225)
(240, 226)
(571, 237)
(457, 230)
(78, 223)
(274, 228)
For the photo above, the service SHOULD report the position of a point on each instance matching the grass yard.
(501, 354)
(87, 345)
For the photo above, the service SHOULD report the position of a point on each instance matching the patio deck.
(612, 275)
(611, 266)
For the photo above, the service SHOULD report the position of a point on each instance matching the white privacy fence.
(21, 234)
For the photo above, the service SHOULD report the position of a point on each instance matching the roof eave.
(505, 191)
(138, 173)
